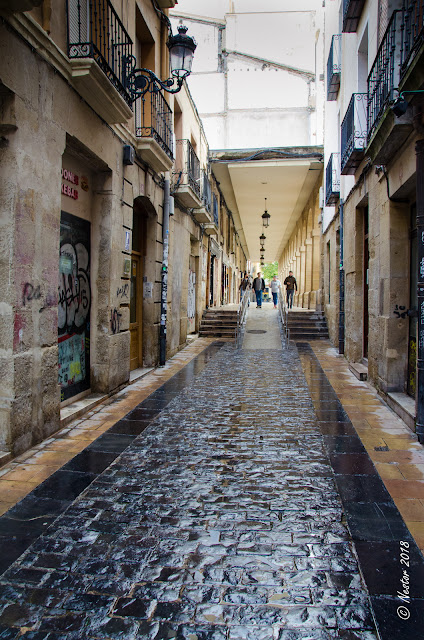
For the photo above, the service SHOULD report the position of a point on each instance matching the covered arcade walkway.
(229, 496)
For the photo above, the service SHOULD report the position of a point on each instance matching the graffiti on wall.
(115, 320)
(74, 304)
(71, 352)
(30, 292)
(74, 286)
(400, 311)
(123, 291)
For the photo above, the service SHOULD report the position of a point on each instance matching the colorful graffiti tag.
(74, 303)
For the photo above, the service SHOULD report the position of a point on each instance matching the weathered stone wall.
(51, 125)
(389, 269)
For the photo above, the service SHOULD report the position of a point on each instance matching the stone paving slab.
(397, 455)
(221, 520)
(23, 474)
(226, 522)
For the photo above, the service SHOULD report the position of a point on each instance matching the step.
(358, 370)
(302, 318)
(217, 334)
(5, 457)
(215, 327)
(315, 323)
(308, 336)
(219, 315)
(301, 332)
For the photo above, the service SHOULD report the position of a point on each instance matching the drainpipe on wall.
(164, 280)
(342, 286)
(419, 423)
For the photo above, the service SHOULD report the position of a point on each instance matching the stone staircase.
(307, 325)
(218, 323)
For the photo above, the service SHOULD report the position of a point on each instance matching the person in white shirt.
(274, 290)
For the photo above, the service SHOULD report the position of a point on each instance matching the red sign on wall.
(71, 192)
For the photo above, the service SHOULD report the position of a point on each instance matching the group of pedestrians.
(258, 286)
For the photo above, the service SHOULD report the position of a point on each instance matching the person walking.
(275, 285)
(258, 288)
(244, 286)
(290, 284)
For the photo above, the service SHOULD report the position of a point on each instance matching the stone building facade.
(372, 187)
(302, 253)
(85, 171)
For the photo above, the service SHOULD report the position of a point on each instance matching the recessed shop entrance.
(366, 256)
(413, 305)
(138, 251)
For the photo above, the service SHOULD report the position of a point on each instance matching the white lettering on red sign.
(69, 176)
(69, 191)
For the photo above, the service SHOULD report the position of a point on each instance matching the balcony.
(386, 133)
(154, 131)
(332, 180)
(352, 10)
(212, 228)
(186, 175)
(412, 42)
(98, 49)
(383, 77)
(20, 5)
(203, 213)
(215, 211)
(334, 67)
(354, 134)
(167, 4)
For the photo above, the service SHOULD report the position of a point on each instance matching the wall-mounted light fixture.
(181, 50)
(265, 217)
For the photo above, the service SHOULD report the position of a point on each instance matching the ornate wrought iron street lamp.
(181, 50)
(265, 217)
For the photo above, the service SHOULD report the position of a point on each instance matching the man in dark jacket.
(258, 288)
(291, 285)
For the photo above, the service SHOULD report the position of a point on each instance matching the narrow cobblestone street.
(235, 503)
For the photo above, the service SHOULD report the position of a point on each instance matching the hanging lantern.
(265, 217)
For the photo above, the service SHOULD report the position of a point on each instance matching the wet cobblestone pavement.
(211, 512)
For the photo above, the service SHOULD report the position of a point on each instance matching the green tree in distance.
(270, 270)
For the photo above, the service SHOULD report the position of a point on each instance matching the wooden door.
(413, 306)
(365, 286)
(136, 306)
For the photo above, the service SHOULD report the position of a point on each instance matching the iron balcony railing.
(215, 211)
(95, 31)
(187, 166)
(384, 75)
(412, 31)
(352, 10)
(334, 67)
(153, 119)
(353, 134)
(332, 179)
(206, 191)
